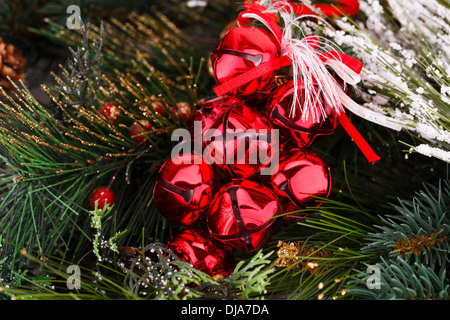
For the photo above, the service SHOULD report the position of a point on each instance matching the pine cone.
(11, 65)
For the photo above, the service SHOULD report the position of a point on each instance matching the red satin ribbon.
(252, 74)
(349, 61)
(347, 7)
(371, 156)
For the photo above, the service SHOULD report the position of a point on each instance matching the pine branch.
(318, 271)
(250, 277)
(154, 273)
(85, 71)
(59, 151)
(413, 249)
(327, 242)
(419, 233)
(401, 280)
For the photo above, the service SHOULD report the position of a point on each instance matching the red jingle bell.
(210, 110)
(302, 176)
(183, 189)
(303, 129)
(103, 196)
(210, 256)
(242, 214)
(240, 50)
(240, 143)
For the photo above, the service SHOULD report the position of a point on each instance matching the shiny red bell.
(240, 143)
(210, 110)
(242, 215)
(302, 177)
(302, 129)
(184, 189)
(240, 50)
(210, 256)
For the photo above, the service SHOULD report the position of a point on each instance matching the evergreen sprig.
(251, 277)
(85, 72)
(420, 232)
(399, 279)
(329, 239)
(412, 249)
(159, 274)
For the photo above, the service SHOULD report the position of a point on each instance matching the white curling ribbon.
(344, 72)
(353, 78)
(307, 66)
(367, 114)
(254, 16)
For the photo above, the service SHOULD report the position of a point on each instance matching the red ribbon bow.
(255, 10)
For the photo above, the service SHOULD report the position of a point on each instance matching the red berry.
(138, 130)
(111, 111)
(184, 110)
(158, 107)
(153, 108)
(103, 195)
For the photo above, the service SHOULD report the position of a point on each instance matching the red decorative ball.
(155, 106)
(242, 215)
(139, 129)
(240, 50)
(183, 110)
(302, 129)
(111, 111)
(103, 195)
(240, 142)
(210, 256)
(183, 189)
(301, 177)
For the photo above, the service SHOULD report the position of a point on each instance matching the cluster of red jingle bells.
(240, 205)
(236, 204)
